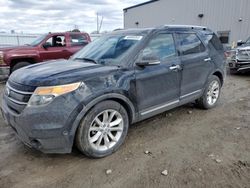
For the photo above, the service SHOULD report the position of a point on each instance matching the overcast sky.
(39, 16)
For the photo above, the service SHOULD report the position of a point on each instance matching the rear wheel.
(103, 130)
(19, 65)
(211, 93)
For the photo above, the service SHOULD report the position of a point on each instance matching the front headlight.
(44, 95)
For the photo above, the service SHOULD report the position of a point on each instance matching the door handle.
(175, 67)
(207, 59)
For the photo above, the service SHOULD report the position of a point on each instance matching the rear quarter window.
(214, 41)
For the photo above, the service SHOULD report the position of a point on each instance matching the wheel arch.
(219, 74)
(123, 100)
(15, 61)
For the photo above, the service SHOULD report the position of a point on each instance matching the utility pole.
(100, 26)
(97, 23)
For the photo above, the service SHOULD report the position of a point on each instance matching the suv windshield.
(108, 49)
(37, 40)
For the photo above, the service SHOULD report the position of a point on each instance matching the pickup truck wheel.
(103, 130)
(211, 93)
(19, 65)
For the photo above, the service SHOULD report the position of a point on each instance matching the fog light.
(36, 144)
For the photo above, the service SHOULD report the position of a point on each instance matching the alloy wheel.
(106, 130)
(213, 92)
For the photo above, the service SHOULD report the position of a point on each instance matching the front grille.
(17, 96)
(243, 55)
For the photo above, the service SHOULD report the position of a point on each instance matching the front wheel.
(103, 130)
(211, 93)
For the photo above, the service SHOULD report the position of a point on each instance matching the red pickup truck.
(46, 47)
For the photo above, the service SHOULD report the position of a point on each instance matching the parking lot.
(198, 148)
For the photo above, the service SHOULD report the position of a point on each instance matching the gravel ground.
(184, 147)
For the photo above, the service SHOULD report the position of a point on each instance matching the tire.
(210, 99)
(92, 133)
(19, 65)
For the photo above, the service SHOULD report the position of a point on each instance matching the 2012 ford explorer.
(117, 80)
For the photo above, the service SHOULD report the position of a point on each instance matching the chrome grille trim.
(17, 91)
(17, 102)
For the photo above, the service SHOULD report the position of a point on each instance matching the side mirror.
(148, 60)
(46, 45)
(240, 42)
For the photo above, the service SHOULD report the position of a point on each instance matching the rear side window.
(78, 40)
(190, 44)
(162, 46)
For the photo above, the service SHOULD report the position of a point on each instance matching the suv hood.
(58, 72)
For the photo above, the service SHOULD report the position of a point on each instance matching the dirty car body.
(142, 89)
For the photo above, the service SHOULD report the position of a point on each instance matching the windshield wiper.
(87, 59)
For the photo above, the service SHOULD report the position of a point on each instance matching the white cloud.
(39, 16)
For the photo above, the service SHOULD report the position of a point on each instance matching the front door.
(55, 49)
(158, 86)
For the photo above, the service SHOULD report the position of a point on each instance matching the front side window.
(190, 44)
(162, 46)
(78, 40)
(56, 41)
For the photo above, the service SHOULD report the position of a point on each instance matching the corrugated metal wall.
(219, 15)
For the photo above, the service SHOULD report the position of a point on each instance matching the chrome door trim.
(192, 93)
(159, 107)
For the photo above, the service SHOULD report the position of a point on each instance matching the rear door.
(158, 86)
(196, 64)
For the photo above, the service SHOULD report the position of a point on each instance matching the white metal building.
(229, 18)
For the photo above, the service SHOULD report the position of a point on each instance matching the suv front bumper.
(239, 66)
(47, 129)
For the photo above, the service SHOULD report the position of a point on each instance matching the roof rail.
(187, 26)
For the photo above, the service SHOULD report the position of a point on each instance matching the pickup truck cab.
(46, 47)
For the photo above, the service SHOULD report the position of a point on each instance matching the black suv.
(117, 80)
